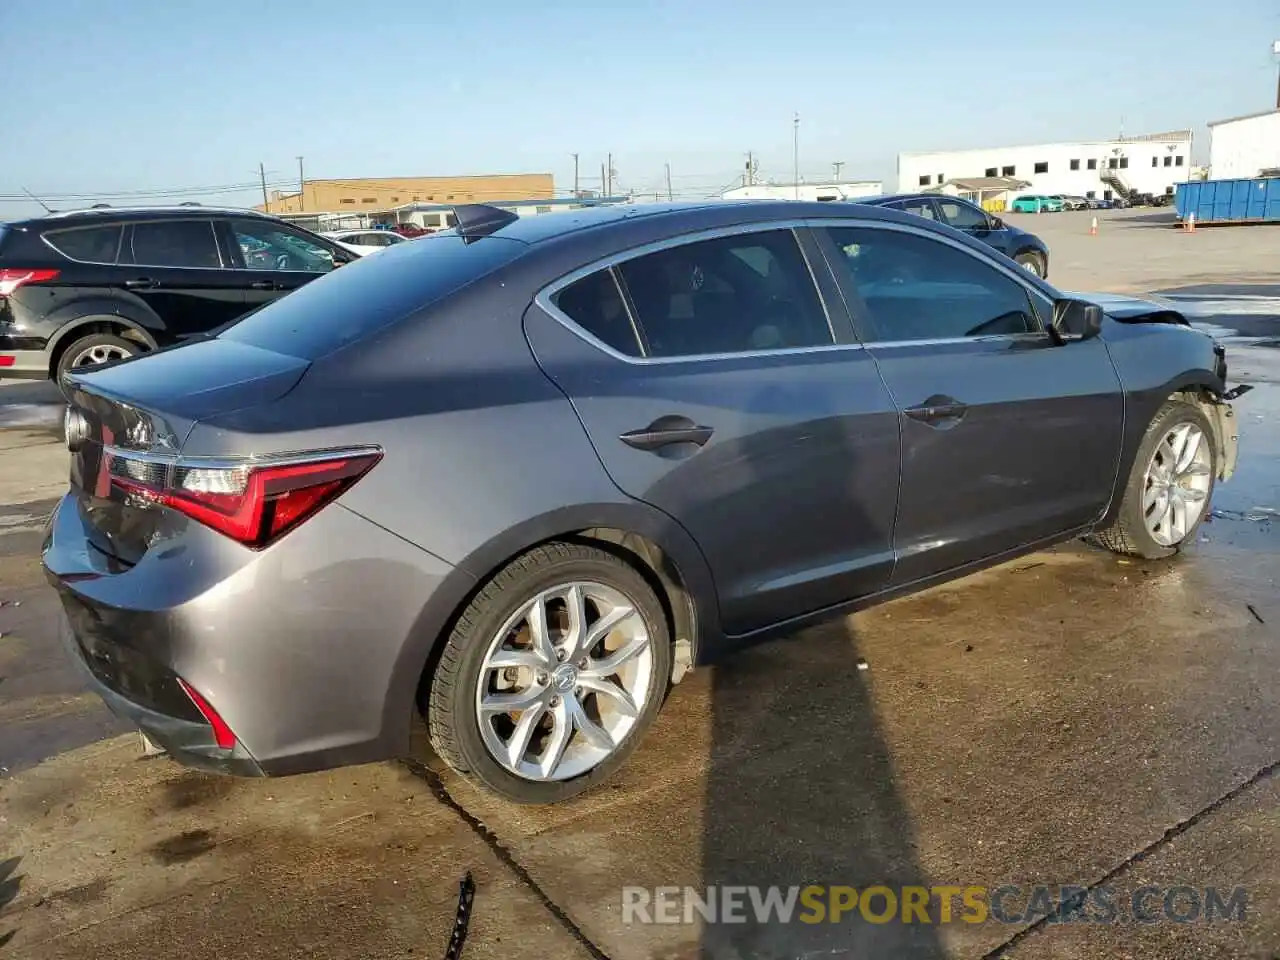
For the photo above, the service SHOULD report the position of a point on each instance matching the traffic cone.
(1093, 227)
(1189, 224)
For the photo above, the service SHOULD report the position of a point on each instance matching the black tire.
(451, 714)
(1128, 535)
(1033, 262)
(77, 349)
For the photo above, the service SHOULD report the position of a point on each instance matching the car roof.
(100, 214)
(893, 197)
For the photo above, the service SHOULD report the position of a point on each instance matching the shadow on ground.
(9, 887)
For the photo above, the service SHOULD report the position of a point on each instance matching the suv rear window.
(371, 293)
(87, 244)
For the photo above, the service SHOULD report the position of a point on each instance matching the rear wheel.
(1030, 260)
(95, 349)
(1170, 486)
(552, 674)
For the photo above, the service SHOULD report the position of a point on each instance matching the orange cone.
(1189, 224)
(1093, 227)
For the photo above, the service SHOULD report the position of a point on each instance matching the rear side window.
(87, 244)
(175, 243)
(595, 304)
(363, 297)
(740, 294)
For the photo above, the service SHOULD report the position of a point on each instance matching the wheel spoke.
(1192, 495)
(618, 697)
(607, 624)
(609, 665)
(1178, 519)
(592, 732)
(561, 732)
(539, 635)
(1195, 470)
(512, 702)
(515, 658)
(1151, 497)
(518, 745)
(574, 643)
(1190, 447)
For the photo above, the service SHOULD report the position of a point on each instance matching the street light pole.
(795, 153)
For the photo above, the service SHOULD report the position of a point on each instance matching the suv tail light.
(11, 279)
(252, 502)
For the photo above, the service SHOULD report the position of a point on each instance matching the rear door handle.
(262, 285)
(666, 431)
(937, 410)
(141, 283)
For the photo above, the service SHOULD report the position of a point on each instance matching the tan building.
(382, 193)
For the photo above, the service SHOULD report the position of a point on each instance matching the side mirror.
(1075, 320)
(995, 223)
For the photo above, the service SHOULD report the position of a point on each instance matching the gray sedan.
(520, 476)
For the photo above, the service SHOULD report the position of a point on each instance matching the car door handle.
(141, 283)
(262, 285)
(666, 431)
(937, 410)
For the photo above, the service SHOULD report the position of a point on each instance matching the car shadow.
(10, 884)
(801, 788)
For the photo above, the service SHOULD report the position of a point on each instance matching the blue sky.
(135, 95)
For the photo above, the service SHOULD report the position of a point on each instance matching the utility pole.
(262, 174)
(749, 177)
(835, 167)
(670, 195)
(603, 181)
(795, 153)
(302, 186)
(608, 191)
(575, 176)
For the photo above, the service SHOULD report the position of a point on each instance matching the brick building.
(367, 194)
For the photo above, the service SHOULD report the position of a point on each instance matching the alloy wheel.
(100, 353)
(564, 681)
(1176, 491)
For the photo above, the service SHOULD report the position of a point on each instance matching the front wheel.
(1032, 261)
(1170, 486)
(552, 674)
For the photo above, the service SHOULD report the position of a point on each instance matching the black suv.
(83, 288)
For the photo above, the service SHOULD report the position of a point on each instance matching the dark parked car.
(83, 288)
(521, 475)
(1025, 248)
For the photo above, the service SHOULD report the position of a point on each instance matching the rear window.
(87, 244)
(369, 294)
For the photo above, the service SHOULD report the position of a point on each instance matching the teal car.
(1034, 203)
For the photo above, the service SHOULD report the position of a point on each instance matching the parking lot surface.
(1066, 719)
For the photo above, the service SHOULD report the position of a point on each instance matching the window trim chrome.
(1013, 273)
(44, 238)
(545, 298)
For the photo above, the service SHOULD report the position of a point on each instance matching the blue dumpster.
(1230, 201)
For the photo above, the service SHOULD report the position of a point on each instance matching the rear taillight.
(253, 502)
(12, 278)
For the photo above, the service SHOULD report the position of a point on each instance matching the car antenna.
(47, 208)
(476, 220)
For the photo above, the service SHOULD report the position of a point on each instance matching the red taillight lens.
(13, 278)
(254, 503)
(222, 734)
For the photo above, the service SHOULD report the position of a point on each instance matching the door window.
(962, 216)
(921, 208)
(175, 243)
(269, 246)
(738, 294)
(87, 244)
(914, 287)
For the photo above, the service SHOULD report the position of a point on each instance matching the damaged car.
(515, 479)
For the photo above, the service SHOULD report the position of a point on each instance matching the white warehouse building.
(1152, 164)
(841, 190)
(1242, 147)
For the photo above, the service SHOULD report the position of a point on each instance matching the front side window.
(269, 246)
(175, 243)
(913, 287)
(87, 244)
(737, 294)
(962, 216)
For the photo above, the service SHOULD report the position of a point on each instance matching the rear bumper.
(299, 648)
(23, 364)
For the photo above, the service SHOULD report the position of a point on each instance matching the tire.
(1130, 534)
(1032, 261)
(106, 345)
(465, 738)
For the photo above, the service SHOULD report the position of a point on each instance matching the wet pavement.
(1066, 719)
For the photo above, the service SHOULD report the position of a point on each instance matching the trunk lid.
(145, 408)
